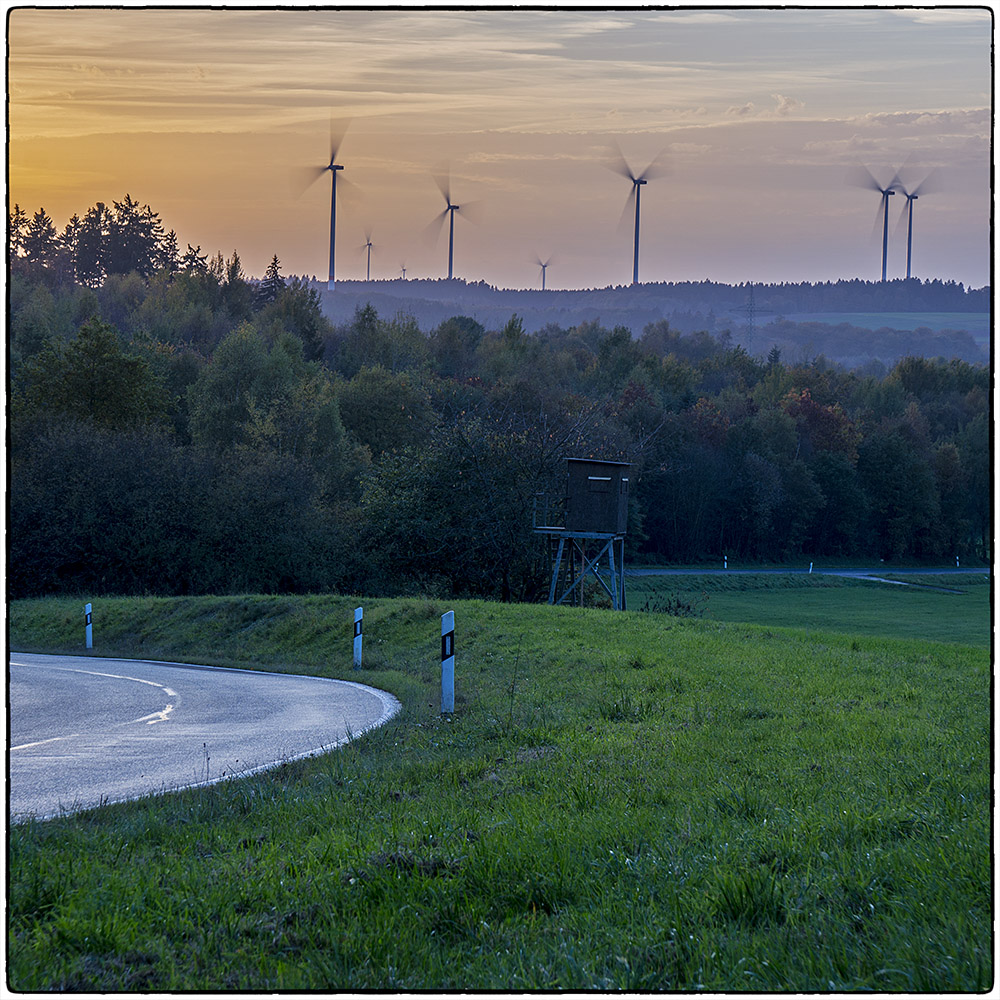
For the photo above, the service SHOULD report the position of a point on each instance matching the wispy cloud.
(521, 100)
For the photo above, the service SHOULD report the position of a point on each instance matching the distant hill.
(856, 322)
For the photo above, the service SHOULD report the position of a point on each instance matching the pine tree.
(272, 285)
(194, 260)
(40, 240)
(134, 237)
(169, 257)
(91, 244)
(17, 227)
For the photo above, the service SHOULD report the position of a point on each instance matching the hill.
(849, 322)
(621, 801)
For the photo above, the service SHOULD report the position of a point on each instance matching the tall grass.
(620, 802)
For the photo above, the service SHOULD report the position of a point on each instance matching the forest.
(852, 322)
(177, 426)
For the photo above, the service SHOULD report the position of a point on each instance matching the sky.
(757, 123)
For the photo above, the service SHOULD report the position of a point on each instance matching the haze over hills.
(851, 322)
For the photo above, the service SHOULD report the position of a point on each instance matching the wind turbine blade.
(861, 176)
(472, 211)
(659, 167)
(430, 234)
(347, 191)
(303, 178)
(899, 228)
(627, 219)
(930, 184)
(442, 177)
(876, 236)
(338, 129)
(617, 163)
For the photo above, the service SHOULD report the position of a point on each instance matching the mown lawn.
(621, 801)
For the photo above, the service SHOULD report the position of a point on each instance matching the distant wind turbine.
(863, 177)
(620, 166)
(927, 185)
(543, 265)
(444, 184)
(312, 174)
(368, 244)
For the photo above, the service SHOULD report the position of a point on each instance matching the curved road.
(86, 730)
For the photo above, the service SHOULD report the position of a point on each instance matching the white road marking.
(54, 739)
(150, 720)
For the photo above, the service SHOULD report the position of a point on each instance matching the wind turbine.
(444, 184)
(368, 244)
(543, 265)
(928, 184)
(313, 174)
(866, 179)
(620, 166)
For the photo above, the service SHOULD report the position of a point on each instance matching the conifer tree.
(40, 240)
(17, 227)
(194, 260)
(272, 285)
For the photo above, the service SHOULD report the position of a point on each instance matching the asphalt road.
(86, 730)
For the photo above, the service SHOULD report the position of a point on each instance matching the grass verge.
(620, 802)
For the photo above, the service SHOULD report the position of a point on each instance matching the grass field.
(621, 801)
(919, 610)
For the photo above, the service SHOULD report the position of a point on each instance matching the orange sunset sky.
(211, 115)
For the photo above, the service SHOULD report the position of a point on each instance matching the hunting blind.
(595, 517)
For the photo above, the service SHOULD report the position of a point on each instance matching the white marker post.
(88, 618)
(448, 662)
(358, 615)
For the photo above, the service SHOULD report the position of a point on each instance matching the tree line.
(190, 429)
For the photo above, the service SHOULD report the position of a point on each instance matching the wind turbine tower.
(928, 184)
(444, 184)
(620, 166)
(451, 210)
(637, 183)
(865, 178)
(886, 194)
(313, 174)
(368, 245)
(333, 168)
(910, 199)
(543, 266)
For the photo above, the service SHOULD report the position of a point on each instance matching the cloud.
(942, 16)
(838, 147)
(693, 148)
(786, 105)
(589, 26)
(741, 111)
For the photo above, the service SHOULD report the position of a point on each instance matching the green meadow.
(621, 801)
(945, 608)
